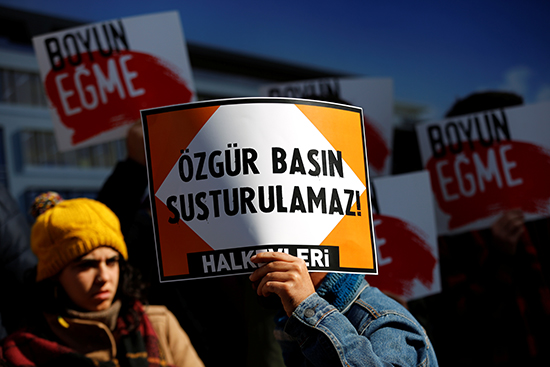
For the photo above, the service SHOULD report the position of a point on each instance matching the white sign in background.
(159, 35)
(408, 198)
(373, 95)
(465, 179)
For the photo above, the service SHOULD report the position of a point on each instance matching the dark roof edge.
(206, 57)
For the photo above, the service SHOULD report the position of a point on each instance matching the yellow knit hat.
(71, 229)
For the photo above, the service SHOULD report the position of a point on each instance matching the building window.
(38, 149)
(22, 88)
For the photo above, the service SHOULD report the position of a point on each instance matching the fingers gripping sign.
(507, 230)
(284, 275)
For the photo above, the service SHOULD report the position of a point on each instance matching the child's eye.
(112, 261)
(85, 264)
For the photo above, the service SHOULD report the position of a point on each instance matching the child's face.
(91, 281)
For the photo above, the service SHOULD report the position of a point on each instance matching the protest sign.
(485, 163)
(99, 76)
(374, 95)
(406, 237)
(233, 177)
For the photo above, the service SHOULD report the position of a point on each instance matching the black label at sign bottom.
(237, 260)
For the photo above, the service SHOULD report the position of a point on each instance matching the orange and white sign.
(234, 177)
(99, 76)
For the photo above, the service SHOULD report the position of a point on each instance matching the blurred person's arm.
(507, 230)
(124, 190)
(16, 258)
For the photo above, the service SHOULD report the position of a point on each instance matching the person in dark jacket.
(338, 319)
(495, 299)
(15, 258)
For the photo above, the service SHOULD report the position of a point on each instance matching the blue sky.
(435, 51)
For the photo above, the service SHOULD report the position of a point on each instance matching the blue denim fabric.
(374, 330)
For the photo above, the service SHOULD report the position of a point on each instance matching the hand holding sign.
(284, 275)
(507, 229)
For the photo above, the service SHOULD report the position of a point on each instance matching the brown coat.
(100, 343)
(172, 338)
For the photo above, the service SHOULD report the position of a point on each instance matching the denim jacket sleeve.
(373, 331)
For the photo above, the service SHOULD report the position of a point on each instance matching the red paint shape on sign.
(103, 93)
(481, 182)
(404, 256)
